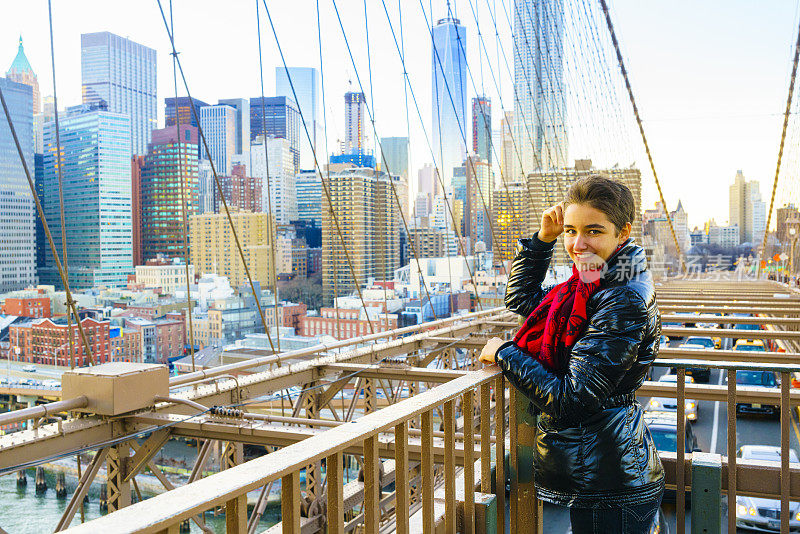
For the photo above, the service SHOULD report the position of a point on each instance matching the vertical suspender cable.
(316, 164)
(184, 188)
(59, 166)
(327, 167)
(217, 182)
(273, 232)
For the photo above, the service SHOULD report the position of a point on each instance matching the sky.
(710, 78)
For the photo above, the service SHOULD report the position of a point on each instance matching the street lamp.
(793, 227)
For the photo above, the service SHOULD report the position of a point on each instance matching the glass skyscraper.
(219, 128)
(395, 152)
(482, 128)
(278, 116)
(309, 196)
(182, 109)
(170, 164)
(540, 107)
(96, 148)
(449, 78)
(122, 74)
(17, 234)
(306, 84)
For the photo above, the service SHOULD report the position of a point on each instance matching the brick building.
(35, 308)
(352, 323)
(47, 341)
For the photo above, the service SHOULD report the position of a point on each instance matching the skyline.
(700, 133)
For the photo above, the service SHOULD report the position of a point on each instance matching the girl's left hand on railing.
(489, 352)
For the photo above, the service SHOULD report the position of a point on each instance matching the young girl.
(582, 352)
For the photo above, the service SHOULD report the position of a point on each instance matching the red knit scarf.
(552, 329)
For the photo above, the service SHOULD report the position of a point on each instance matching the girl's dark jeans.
(625, 519)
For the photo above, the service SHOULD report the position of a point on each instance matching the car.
(760, 379)
(666, 404)
(29, 368)
(764, 514)
(663, 427)
(706, 342)
(700, 374)
(749, 345)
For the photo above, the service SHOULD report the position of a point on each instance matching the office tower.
(747, 210)
(309, 197)
(449, 64)
(512, 220)
(219, 128)
(355, 122)
(96, 147)
(22, 72)
(508, 162)
(206, 187)
(540, 106)
(122, 74)
(242, 192)
(367, 214)
(482, 128)
(169, 166)
(277, 116)
(181, 109)
(306, 84)
(282, 192)
(137, 162)
(549, 188)
(214, 249)
(478, 201)
(42, 246)
(395, 156)
(242, 107)
(17, 230)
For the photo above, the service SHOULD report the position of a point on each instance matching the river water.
(22, 511)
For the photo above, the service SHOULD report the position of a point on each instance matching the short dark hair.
(611, 197)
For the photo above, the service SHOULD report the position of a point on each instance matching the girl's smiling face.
(590, 238)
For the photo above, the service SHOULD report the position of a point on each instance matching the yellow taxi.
(749, 345)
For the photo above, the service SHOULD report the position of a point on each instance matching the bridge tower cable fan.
(448, 206)
(786, 114)
(604, 6)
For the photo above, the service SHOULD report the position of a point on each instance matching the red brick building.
(35, 308)
(291, 314)
(170, 335)
(136, 208)
(352, 323)
(240, 190)
(45, 341)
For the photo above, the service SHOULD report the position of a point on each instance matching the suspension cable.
(780, 149)
(324, 182)
(256, 297)
(328, 166)
(449, 207)
(53, 250)
(61, 188)
(604, 6)
(273, 232)
(184, 187)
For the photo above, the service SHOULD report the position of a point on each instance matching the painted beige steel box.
(116, 387)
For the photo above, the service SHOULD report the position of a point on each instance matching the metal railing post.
(707, 494)
(526, 509)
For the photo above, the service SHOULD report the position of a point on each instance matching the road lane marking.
(715, 430)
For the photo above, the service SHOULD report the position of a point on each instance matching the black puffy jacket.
(592, 448)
